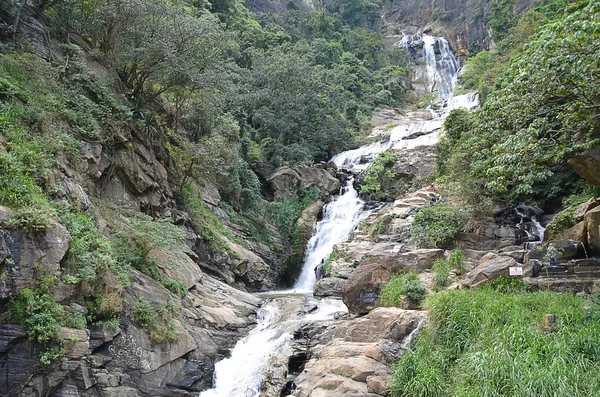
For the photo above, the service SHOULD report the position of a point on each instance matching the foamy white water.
(340, 218)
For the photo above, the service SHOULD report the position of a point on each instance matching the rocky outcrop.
(354, 357)
(289, 181)
(490, 267)
(361, 292)
(104, 362)
(26, 256)
(587, 165)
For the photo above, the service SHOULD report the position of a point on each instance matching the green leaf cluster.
(544, 111)
(379, 181)
(437, 226)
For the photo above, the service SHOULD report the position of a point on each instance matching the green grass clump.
(379, 182)
(488, 343)
(441, 270)
(402, 285)
(438, 225)
(158, 324)
(327, 265)
(204, 221)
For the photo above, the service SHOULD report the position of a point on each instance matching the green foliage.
(159, 325)
(484, 342)
(441, 269)
(90, 253)
(327, 264)
(437, 226)
(456, 261)
(401, 285)
(379, 178)
(543, 112)
(51, 355)
(204, 221)
(380, 226)
(135, 243)
(39, 314)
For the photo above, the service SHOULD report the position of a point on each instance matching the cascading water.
(340, 218)
(242, 373)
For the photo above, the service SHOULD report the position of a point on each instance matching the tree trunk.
(18, 18)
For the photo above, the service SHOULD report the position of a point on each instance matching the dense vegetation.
(543, 108)
(491, 343)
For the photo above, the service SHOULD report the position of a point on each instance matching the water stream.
(242, 373)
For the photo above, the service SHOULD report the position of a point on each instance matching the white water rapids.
(242, 374)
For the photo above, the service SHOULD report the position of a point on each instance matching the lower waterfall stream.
(242, 374)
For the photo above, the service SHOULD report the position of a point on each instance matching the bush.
(39, 314)
(402, 285)
(487, 343)
(134, 244)
(380, 177)
(204, 221)
(327, 264)
(456, 261)
(438, 225)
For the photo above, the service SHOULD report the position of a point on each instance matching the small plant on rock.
(401, 285)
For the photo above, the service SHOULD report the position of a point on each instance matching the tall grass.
(489, 343)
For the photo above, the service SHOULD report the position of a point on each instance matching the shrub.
(438, 225)
(134, 244)
(51, 355)
(327, 264)
(39, 314)
(204, 221)
(456, 261)
(380, 226)
(402, 285)
(380, 177)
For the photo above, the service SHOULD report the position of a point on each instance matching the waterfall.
(242, 374)
(441, 65)
(340, 218)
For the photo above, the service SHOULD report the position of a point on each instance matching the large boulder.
(361, 291)
(329, 286)
(490, 267)
(289, 181)
(592, 226)
(587, 164)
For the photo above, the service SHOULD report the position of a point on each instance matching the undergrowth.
(486, 342)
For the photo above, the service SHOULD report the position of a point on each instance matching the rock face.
(353, 357)
(461, 22)
(289, 181)
(361, 292)
(19, 250)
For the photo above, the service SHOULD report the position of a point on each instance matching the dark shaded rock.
(27, 256)
(289, 181)
(592, 225)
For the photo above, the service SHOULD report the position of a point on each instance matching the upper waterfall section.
(437, 66)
